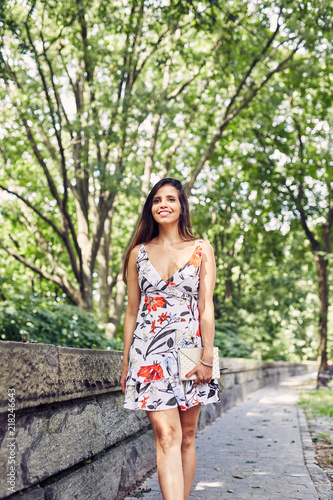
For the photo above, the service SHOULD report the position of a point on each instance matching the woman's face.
(166, 207)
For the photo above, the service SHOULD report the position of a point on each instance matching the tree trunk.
(85, 300)
(320, 251)
(104, 271)
(321, 263)
(116, 308)
(117, 304)
(239, 285)
(229, 286)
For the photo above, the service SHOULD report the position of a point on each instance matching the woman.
(167, 309)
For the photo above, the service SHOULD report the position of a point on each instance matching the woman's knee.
(168, 437)
(188, 438)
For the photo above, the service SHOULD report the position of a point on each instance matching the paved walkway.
(259, 449)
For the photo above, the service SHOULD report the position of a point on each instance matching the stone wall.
(71, 438)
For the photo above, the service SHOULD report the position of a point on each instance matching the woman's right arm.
(133, 291)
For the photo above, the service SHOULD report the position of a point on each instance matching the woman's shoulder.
(135, 251)
(207, 247)
(207, 251)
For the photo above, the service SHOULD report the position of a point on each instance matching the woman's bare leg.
(168, 435)
(189, 420)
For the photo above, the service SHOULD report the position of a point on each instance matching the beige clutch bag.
(189, 357)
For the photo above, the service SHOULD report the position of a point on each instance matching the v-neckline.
(178, 270)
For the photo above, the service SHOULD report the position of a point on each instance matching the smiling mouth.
(165, 212)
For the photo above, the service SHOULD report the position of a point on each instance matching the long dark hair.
(148, 227)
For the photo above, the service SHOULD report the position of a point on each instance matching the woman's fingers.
(204, 374)
(123, 383)
(192, 372)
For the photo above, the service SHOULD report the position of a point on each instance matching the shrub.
(38, 320)
(229, 341)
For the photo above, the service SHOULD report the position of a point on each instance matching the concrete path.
(259, 449)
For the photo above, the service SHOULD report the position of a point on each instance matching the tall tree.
(265, 289)
(99, 96)
(293, 162)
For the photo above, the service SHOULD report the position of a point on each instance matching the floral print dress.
(168, 318)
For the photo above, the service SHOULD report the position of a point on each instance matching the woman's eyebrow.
(167, 196)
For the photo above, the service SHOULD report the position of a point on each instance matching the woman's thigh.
(166, 423)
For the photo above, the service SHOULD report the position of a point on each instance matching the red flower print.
(170, 283)
(151, 372)
(183, 319)
(198, 334)
(196, 257)
(144, 402)
(153, 303)
(163, 317)
(153, 326)
(182, 407)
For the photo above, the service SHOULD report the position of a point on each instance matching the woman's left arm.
(206, 310)
(206, 305)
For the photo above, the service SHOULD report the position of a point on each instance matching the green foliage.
(38, 320)
(228, 338)
(81, 84)
(265, 279)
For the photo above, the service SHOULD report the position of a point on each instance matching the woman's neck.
(168, 234)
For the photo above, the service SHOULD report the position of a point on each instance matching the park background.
(101, 99)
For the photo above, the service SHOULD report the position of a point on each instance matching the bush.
(229, 341)
(37, 320)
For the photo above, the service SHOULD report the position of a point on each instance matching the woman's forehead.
(166, 190)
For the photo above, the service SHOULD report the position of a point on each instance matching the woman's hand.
(204, 374)
(123, 378)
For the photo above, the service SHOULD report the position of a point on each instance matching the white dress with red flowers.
(168, 318)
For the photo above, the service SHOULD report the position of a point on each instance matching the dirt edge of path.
(321, 475)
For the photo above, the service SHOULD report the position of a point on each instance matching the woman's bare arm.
(206, 305)
(206, 309)
(133, 291)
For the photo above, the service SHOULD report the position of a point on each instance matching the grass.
(318, 408)
(317, 403)
(324, 437)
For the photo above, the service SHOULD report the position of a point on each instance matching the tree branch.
(55, 123)
(183, 85)
(62, 234)
(149, 163)
(41, 161)
(154, 49)
(70, 291)
(48, 144)
(32, 141)
(315, 244)
(67, 222)
(245, 100)
(38, 212)
(330, 209)
(251, 68)
(178, 140)
(56, 94)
